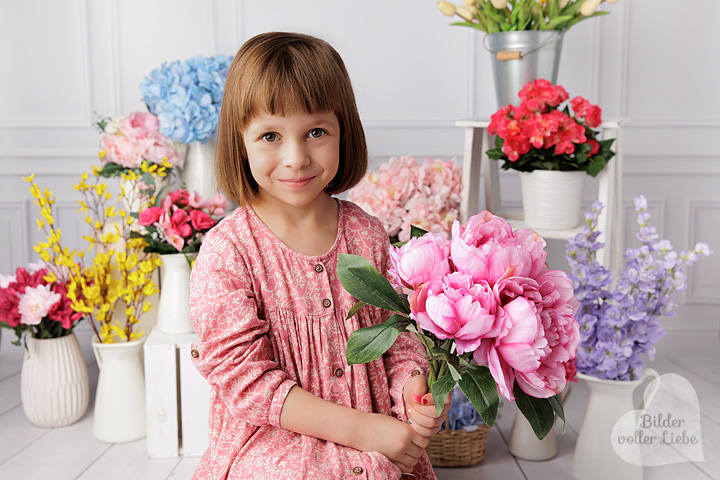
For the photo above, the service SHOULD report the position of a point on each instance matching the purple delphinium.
(620, 322)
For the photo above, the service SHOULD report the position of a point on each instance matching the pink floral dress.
(270, 318)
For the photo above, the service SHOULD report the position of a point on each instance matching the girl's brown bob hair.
(282, 73)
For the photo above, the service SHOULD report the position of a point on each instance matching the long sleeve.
(235, 353)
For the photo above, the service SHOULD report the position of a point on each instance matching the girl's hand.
(420, 407)
(394, 439)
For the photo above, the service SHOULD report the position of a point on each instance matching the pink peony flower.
(201, 221)
(455, 306)
(35, 303)
(420, 260)
(125, 151)
(139, 125)
(150, 215)
(158, 149)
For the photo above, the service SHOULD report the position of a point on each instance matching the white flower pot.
(198, 172)
(54, 384)
(552, 199)
(608, 400)
(174, 309)
(120, 398)
(523, 443)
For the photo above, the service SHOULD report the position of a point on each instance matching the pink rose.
(158, 149)
(454, 306)
(125, 151)
(180, 223)
(180, 197)
(201, 221)
(420, 259)
(150, 215)
(139, 124)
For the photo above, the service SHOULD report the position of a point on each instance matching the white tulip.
(447, 8)
(499, 4)
(612, 1)
(470, 3)
(466, 12)
(589, 7)
(563, 3)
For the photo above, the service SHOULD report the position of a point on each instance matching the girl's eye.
(270, 137)
(316, 133)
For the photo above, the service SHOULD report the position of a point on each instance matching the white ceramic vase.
(120, 398)
(523, 443)
(174, 309)
(608, 400)
(54, 385)
(552, 199)
(198, 172)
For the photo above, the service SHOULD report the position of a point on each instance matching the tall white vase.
(174, 309)
(120, 398)
(198, 172)
(608, 400)
(54, 384)
(551, 198)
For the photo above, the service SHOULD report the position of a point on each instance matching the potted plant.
(186, 96)
(405, 191)
(54, 384)
(523, 36)
(174, 227)
(619, 324)
(553, 142)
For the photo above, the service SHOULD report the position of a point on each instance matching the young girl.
(265, 298)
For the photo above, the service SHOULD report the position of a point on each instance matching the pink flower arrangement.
(180, 221)
(30, 304)
(405, 192)
(539, 135)
(129, 140)
(489, 312)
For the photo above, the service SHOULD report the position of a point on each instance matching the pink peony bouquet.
(126, 141)
(490, 314)
(405, 192)
(539, 135)
(179, 221)
(30, 304)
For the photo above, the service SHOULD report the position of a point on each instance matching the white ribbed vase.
(551, 198)
(54, 385)
(198, 172)
(174, 309)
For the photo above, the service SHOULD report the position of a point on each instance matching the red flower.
(570, 371)
(595, 147)
(62, 310)
(593, 117)
(150, 215)
(201, 221)
(579, 106)
(23, 279)
(180, 197)
(180, 223)
(9, 300)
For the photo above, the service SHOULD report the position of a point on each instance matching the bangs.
(293, 79)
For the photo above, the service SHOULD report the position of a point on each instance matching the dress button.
(338, 372)
(415, 373)
(319, 268)
(357, 470)
(194, 353)
(327, 303)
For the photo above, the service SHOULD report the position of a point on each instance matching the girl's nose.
(296, 155)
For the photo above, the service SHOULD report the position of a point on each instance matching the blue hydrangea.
(186, 96)
(620, 318)
(462, 415)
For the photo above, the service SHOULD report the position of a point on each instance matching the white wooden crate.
(177, 397)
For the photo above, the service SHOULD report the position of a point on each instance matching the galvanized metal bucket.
(521, 57)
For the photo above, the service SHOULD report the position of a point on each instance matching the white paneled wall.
(66, 61)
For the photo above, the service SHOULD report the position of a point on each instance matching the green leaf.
(479, 386)
(596, 165)
(110, 170)
(557, 21)
(366, 284)
(355, 308)
(367, 344)
(440, 389)
(454, 372)
(558, 408)
(416, 231)
(538, 411)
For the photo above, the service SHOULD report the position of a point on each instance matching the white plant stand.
(178, 397)
(475, 160)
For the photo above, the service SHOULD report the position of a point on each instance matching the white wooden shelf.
(475, 161)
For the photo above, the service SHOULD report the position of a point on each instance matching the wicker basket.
(457, 448)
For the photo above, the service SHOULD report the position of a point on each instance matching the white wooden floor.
(28, 452)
